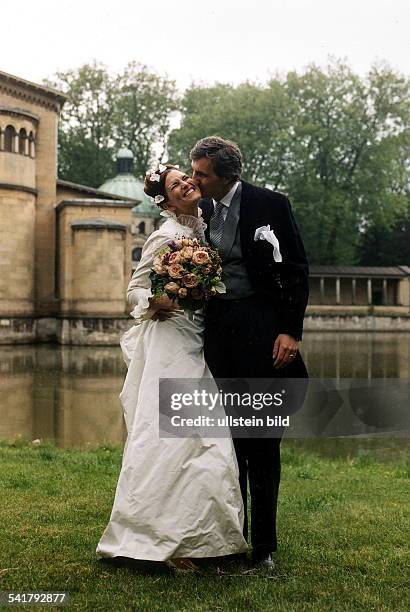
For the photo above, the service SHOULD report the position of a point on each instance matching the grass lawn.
(342, 535)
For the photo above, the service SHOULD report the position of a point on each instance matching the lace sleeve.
(139, 288)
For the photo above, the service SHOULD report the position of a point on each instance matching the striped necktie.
(216, 225)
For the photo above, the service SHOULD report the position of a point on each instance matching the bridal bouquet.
(187, 271)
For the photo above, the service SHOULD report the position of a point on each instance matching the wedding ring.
(291, 354)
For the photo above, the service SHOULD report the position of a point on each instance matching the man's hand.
(162, 308)
(284, 351)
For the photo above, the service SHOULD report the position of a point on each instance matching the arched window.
(141, 227)
(9, 137)
(136, 254)
(22, 141)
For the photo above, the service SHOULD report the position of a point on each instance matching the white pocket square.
(265, 233)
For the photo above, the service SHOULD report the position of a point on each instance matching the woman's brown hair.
(154, 187)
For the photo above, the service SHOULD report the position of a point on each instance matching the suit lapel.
(207, 209)
(246, 220)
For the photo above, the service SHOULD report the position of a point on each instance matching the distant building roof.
(126, 184)
(364, 271)
(42, 89)
(92, 191)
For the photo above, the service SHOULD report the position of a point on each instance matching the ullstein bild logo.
(268, 408)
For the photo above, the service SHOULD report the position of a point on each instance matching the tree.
(106, 112)
(337, 143)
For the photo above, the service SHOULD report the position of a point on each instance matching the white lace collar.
(190, 221)
(172, 215)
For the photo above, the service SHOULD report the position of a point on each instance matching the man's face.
(210, 184)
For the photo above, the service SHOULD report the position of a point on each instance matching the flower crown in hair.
(155, 176)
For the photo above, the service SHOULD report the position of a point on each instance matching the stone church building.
(65, 249)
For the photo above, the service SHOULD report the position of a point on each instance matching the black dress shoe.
(264, 561)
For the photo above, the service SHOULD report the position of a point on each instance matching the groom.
(253, 330)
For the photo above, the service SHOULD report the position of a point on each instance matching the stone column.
(384, 296)
(1, 140)
(353, 291)
(369, 291)
(322, 290)
(337, 290)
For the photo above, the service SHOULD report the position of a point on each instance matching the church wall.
(46, 109)
(94, 270)
(98, 280)
(17, 222)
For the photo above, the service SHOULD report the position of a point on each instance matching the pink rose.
(182, 292)
(187, 253)
(174, 258)
(175, 270)
(159, 269)
(172, 287)
(190, 280)
(200, 257)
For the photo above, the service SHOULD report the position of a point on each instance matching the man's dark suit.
(239, 338)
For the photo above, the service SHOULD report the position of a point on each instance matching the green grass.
(342, 535)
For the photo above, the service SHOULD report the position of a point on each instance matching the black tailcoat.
(285, 284)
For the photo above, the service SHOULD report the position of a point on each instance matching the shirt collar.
(227, 199)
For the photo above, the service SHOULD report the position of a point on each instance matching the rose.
(190, 280)
(159, 270)
(175, 270)
(187, 253)
(200, 257)
(174, 258)
(172, 287)
(182, 292)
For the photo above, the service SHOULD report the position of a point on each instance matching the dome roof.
(125, 153)
(125, 184)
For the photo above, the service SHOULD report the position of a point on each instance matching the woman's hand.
(162, 308)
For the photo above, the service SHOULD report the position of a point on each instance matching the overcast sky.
(213, 40)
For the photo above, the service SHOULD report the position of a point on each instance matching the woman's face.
(182, 193)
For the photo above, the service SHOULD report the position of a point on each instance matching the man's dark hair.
(225, 155)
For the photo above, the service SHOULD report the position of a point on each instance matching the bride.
(176, 498)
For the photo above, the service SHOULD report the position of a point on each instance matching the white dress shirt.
(226, 200)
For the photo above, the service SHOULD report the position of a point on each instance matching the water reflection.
(70, 394)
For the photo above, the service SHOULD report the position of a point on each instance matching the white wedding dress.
(175, 497)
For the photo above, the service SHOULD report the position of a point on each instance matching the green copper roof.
(125, 184)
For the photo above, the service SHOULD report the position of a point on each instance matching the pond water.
(70, 394)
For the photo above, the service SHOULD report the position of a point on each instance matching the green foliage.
(337, 143)
(105, 112)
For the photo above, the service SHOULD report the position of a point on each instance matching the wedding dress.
(175, 497)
